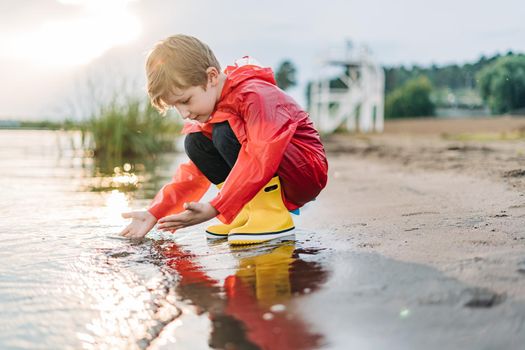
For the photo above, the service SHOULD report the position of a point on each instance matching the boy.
(246, 136)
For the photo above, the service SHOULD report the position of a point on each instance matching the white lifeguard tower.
(353, 98)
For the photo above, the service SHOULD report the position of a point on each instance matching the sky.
(57, 56)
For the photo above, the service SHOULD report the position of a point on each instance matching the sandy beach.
(449, 194)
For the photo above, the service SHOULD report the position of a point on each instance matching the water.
(67, 281)
(58, 285)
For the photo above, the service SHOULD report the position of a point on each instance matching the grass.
(132, 129)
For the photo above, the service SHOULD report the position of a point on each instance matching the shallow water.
(67, 281)
(59, 286)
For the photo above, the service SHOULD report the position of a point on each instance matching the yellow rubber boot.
(268, 218)
(222, 230)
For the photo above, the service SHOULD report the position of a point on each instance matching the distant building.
(353, 99)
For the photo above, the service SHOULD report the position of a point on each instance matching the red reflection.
(253, 314)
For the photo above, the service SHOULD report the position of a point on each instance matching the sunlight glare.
(103, 26)
(116, 203)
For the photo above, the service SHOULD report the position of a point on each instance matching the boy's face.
(195, 102)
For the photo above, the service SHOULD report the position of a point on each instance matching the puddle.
(247, 297)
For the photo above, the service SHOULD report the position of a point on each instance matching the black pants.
(215, 158)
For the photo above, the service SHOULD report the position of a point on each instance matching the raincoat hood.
(245, 69)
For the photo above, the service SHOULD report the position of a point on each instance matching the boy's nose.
(184, 113)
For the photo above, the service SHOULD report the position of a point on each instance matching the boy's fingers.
(190, 206)
(127, 215)
(124, 231)
(166, 219)
(171, 218)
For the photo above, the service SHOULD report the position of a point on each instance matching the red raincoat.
(276, 136)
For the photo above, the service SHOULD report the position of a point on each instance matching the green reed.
(128, 129)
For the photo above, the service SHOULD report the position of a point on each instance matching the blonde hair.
(177, 62)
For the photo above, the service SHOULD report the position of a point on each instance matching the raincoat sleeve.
(269, 129)
(188, 185)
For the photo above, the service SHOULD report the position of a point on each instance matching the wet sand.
(418, 194)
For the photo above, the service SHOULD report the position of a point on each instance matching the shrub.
(412, 99)
(502, 84)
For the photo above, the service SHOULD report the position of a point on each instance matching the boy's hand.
(194, 214)
(142, 222)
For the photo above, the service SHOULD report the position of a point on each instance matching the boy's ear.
(213, 75)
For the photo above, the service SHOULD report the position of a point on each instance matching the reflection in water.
(117, 203)
(68, 282)
(141, 177)
(122, 178)
(131, 310)
(251, 308)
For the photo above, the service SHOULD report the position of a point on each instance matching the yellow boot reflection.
(258, 296)
(268, 275)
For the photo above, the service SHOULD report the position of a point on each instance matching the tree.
(502, 83)
(450, 76)
(412, 99)
(285, 76)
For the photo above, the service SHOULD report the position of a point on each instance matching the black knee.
(223, 136)
(205, 156)
(195, 144)
(226, 142)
